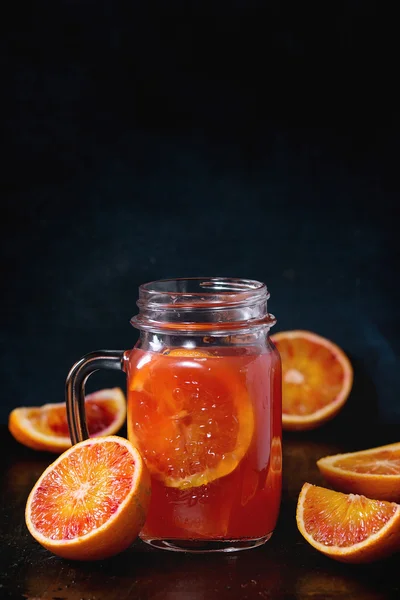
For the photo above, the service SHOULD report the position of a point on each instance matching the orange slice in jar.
(191, 417)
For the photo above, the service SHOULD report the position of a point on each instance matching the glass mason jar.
(204, 409)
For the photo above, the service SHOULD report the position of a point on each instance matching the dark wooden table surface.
(285, 568)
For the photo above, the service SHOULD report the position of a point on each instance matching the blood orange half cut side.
(46, 428)
(92, 501)
(317, 378)
(348, 528)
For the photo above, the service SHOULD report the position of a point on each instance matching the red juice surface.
(208, 424)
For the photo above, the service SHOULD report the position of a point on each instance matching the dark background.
(242, 139)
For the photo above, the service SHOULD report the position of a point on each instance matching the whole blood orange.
(317, 378)
(348, 528)
(46, 428)
(374, 472)
(191, 417)
(92, 501)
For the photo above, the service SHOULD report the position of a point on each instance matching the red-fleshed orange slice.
(46, 428)
(348, 527)
(92, 501)
(317, 378)
(374, 472)
(190, 416)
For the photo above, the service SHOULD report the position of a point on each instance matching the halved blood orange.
(374, 472)
(317, 378)
(190, 415)
(348, 528)
(92, 501)
(46, 428)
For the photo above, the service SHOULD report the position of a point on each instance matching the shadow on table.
(141, 572)
(326, 579)
(271, 572)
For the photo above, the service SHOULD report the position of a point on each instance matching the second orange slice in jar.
(191, 416)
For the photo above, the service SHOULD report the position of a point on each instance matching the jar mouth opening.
(202, 304)
(201, 291)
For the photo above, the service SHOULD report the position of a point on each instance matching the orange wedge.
(348, 528)
(374, 472)
(317, 378)
(46, 428)
(92, 501)
(203, 410)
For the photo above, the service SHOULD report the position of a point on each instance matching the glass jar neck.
(215, 306)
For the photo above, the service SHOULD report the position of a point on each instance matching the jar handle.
(75, 387)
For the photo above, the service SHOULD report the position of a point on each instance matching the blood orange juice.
(204, 409)
(208, 424)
